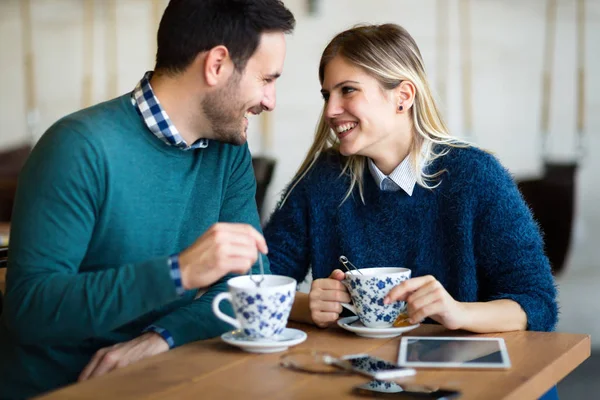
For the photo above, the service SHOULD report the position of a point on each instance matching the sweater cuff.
(175, 273)
(165, 334)
(541, 315)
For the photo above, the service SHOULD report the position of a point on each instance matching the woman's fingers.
(428, 310)
(428, 293)
(402, 291)
(325, 298)
(326, 306)
(320, 298)
(338, 275)
(324, 319)
(328, 284)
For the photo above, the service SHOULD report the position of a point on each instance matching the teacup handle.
(220, 314)
(350, 307)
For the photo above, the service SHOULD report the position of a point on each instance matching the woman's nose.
(333, 108)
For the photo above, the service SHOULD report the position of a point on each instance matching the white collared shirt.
(402, 177)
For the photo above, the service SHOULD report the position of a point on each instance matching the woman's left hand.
(426, 297)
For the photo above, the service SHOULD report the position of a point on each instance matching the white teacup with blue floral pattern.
(368, 290)
(261, 312)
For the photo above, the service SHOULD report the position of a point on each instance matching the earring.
(401, 107)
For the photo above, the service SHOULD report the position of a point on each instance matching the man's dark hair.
(190, 27)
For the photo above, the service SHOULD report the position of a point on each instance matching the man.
(130, 214)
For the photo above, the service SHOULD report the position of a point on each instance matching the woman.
(385, 184)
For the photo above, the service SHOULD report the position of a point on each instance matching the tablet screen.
(453, 352)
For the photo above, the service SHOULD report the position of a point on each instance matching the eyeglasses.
(315, 362)
(322, 362)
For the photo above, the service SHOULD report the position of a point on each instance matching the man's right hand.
(224, 248)
(325, 298)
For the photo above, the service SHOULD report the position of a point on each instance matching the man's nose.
(269, 100)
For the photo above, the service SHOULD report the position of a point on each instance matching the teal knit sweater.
(101, 204)
(473, 232)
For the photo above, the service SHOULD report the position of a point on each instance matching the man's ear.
(217, 65)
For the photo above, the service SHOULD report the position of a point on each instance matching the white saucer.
(289, 337)
(352, 324)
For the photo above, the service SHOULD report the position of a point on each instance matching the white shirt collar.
(403, 175)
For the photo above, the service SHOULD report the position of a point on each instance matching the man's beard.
(225, 112)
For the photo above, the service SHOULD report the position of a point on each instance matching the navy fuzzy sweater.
(474, 233)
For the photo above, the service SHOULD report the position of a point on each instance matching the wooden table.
(213, 370)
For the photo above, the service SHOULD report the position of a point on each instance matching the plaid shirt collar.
(156, 118)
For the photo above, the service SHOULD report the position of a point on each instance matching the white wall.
(507, 44)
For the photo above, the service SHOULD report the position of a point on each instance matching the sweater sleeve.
(196, 321)
(509, 249)
(287, 234)
(48, 299)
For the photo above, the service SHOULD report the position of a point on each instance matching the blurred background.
(517, 77)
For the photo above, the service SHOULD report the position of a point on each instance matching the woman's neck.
(389, 156)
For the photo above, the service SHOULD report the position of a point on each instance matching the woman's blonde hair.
(389, 54)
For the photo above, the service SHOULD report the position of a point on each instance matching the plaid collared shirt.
(156, 118)
(159, 123)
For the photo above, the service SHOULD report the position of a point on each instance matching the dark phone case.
(437, 395)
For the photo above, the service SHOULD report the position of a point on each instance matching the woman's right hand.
(325, 298)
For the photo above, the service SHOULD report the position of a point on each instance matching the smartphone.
(374, 367)
(392, 390)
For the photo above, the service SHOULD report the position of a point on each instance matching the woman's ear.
(405, 95)
(217, 65)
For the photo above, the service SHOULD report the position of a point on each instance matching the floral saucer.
(353, 324)
(289, 337)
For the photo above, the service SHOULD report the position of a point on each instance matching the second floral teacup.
(368, 287)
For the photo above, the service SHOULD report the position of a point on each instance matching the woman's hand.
(426, 297)
(325, 298)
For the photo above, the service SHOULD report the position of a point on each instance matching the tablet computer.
(453, 352)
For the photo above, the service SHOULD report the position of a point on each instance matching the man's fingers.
(238, 239)
(239, 265)
(89, 368)
(245, 230)
(233, 250)
(108, 363)
(261, 243)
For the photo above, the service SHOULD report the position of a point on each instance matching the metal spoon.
(258, 281)
(344, 260)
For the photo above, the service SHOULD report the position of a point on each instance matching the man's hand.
(325, 297)
(224, 248)
(123, 354)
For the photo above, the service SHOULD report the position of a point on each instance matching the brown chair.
(263, 171)
(552, 202)
(11, 162)
(3, 262)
